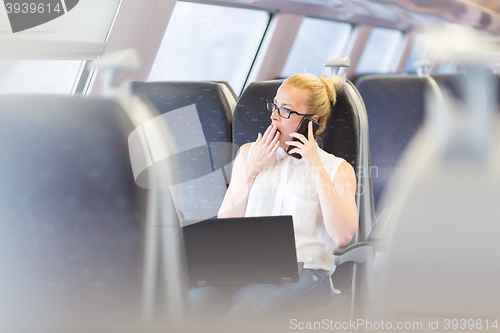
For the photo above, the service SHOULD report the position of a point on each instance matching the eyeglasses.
(284, 112)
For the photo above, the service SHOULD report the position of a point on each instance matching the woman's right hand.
(264, 150)
(246, 168)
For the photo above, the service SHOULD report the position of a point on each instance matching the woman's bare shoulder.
(346, 172)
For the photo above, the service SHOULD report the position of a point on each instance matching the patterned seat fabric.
(341, 136)
(250, 115)
(202, 135)
(395, 107)
(72, 216)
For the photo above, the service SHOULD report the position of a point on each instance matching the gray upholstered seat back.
(205, 128)
(455, 83)
(250, 115)
(395, 107)
(342, 134)
(72, 215)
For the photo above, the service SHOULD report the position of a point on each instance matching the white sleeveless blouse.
(288, 188)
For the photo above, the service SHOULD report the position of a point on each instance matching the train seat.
(250, 116)
(454, 83)
(395, 107)
(438, 267)
(450, 81)
(343, 137)
(72, 222)
(202, 133)
(230, 94)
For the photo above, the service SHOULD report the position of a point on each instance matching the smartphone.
(303, 129)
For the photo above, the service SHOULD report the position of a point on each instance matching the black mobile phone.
(303, 129)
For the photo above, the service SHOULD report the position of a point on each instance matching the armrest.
(359, 253)
(355, 252)
(376, 236)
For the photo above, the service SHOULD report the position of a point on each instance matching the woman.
(318, 190)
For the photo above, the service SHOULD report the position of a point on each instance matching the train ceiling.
(400, 14)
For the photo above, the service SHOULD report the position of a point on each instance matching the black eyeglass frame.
(269, 102)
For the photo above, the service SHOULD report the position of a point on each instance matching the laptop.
(241, 250)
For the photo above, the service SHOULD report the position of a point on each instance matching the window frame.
(48, 49)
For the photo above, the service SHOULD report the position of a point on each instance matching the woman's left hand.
(307, 148)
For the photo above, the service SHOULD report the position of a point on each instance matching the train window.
(419, 51)
(317, 42)
(380, 51)
(39, 76)
(208, 42)
(77, 35)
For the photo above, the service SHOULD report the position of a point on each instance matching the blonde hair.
(322, 93)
